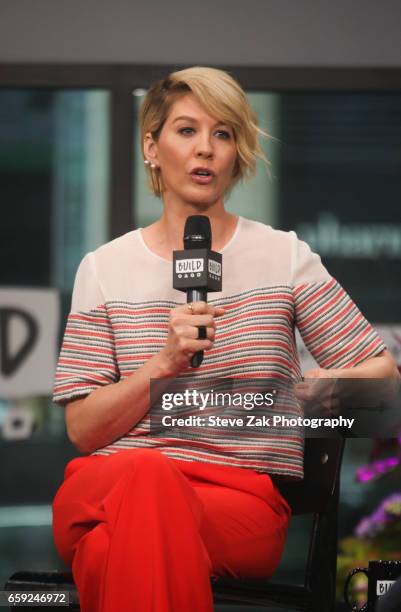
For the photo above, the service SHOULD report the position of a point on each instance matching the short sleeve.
(332, 327)
(87, 358)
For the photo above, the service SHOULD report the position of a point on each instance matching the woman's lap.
(240, 516)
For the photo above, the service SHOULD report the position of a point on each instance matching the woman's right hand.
(182, 339)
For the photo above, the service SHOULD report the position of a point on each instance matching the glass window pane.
(340, 188)
(54, 173)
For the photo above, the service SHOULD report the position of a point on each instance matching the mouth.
(202, 176)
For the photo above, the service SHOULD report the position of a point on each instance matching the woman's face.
(196, 155)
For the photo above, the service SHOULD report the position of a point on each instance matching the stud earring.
(146, 161)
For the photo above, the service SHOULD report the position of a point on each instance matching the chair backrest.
(318, 493)
(322, 465)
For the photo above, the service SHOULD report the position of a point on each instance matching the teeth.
(202, 173)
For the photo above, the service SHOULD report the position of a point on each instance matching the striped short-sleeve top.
(272, 282)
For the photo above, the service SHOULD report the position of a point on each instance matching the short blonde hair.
(223, 98)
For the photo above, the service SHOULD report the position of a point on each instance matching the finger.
(312, 403)
(192, 332)
(219, 311)
(315, 387)
(320, 373)
(193, 346)
(304, 390)
(314, 373)
(199, 308)
(303, 394)
(195, 320)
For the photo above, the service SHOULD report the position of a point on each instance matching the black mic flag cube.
(197, 268)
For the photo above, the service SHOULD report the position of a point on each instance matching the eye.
(224, 134)
(185, 130)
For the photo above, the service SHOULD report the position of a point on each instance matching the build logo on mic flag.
(189, 267)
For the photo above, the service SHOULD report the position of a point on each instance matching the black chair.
(317, 494)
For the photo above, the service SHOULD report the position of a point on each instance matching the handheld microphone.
(197, 269)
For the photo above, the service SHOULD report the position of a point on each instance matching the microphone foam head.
(197, 232)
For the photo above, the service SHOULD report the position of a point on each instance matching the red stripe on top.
(323, 308)
(348, 349)
(325, 287)
(327, 326)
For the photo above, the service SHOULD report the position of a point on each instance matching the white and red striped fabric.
(271, 282)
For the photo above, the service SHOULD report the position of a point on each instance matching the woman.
(141, 505)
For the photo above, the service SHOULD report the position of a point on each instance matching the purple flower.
(388, 511)
(379, 517)
(377, 468)
(392, 505)
(365, 473)
(363, 529)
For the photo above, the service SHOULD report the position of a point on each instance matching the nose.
(204, 147)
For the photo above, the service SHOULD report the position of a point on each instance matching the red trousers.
(144, 533)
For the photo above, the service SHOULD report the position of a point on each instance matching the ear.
(150, 148)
